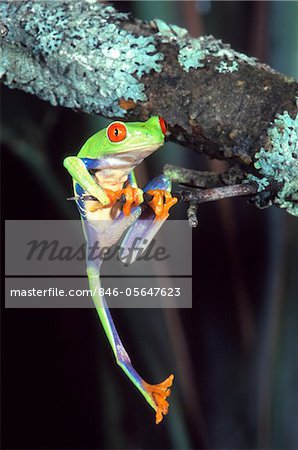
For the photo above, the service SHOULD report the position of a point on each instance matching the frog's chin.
(142, 148)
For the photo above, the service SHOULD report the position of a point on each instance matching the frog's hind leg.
(156, 395)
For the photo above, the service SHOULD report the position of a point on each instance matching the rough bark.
(86, 56)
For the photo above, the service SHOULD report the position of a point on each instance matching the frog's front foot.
(110, 199)
(161, 202)
(159, 394)
(133, 197)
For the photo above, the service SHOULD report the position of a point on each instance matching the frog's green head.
(121, 137)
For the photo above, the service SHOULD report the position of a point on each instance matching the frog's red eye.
(163, 125)
(116, 132)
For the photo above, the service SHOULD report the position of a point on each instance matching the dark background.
(234, 353)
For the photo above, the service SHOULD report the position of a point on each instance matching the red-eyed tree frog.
(104, 169)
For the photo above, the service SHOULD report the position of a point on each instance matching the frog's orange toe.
(161, 202)
(131, 195)
(159, 393)
(114, 196)
(131, 199)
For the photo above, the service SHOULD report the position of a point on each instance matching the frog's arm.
(79, 172)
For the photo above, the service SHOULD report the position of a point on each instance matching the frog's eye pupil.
(116, 132)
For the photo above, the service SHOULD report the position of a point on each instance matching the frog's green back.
(93, 147)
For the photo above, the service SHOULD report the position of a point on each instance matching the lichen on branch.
(87, 56)
(89, 61)
(279, 163)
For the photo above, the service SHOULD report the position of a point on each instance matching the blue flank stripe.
(91, 163)
(80, 203)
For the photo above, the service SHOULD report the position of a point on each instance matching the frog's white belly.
(112, 174)
(114, 169)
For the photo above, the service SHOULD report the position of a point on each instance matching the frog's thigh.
(160, 182)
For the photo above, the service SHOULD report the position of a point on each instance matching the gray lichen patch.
(194, 53)
(227, 67)
(89, 58)
(279, 163)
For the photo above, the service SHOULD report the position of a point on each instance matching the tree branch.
(87, 56)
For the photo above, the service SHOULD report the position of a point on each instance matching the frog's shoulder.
(93, 147)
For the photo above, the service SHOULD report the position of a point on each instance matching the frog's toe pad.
(159, 394)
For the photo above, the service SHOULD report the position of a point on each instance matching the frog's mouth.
(134, 155)
(142, 149)
(127, 159)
